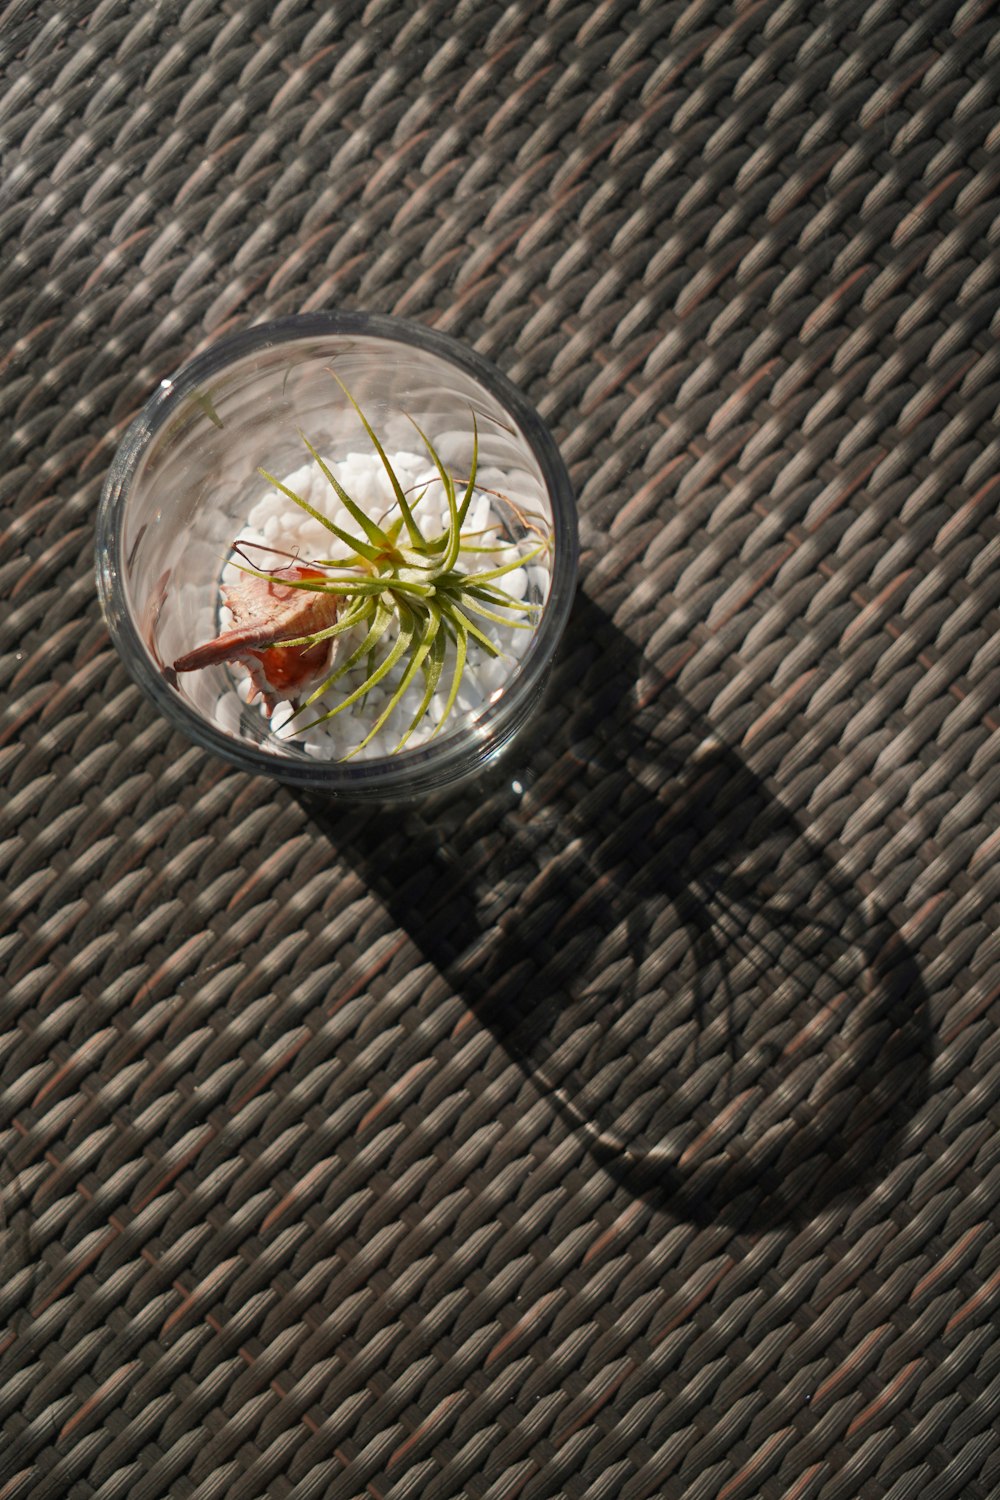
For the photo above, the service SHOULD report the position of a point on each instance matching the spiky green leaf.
(364, 549)
(413, 530)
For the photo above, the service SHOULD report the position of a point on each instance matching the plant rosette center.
(419, 611)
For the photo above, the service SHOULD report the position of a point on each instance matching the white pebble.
(515, 584)
(538, 581)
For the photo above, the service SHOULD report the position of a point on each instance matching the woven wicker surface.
(631, 1126)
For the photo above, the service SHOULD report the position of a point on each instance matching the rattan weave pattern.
(628, 1127)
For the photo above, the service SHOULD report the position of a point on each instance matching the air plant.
(396, 584)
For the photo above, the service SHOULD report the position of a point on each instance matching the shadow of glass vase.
(731, 1027)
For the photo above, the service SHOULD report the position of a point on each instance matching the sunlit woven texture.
(631, 1127)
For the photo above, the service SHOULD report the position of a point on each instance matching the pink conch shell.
(265, 612)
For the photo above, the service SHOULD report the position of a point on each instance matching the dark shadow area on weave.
(733, 1030)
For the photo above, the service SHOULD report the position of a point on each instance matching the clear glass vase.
(177, 495)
